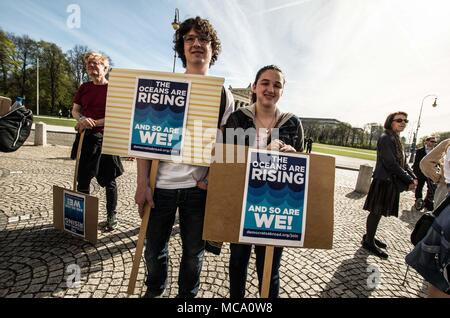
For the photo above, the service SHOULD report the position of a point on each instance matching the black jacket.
(420, 153)
(388, 165)
(290, 128)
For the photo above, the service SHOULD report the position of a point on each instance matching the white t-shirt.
(447, 166)
(182, 176)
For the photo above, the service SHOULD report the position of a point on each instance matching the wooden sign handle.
(268, 260)
(77, 163)
(142, 232)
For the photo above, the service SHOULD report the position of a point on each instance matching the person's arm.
(431, 164)
(143, 191)
(83, 122)
(387, 155)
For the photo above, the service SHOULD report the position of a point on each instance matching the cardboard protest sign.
(75, 213)
(159, 115)
(226, 189)
(275, 199)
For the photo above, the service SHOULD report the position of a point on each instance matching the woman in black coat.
(391, 176)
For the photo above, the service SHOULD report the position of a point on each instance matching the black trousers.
(429, 198)
(104, 167)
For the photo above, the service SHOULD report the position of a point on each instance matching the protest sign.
(159, 115)
(226, 188)
(275, 199)
(75, 213)
(159, 118)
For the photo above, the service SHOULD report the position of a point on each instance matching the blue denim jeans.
(240, 256)
(191, 208)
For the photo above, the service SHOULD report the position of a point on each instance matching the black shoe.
(377, 242)
(152, 294)
(111, 222)
(375, 250)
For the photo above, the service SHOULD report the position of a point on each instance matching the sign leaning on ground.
(74, 213)
(158, 115)
(275, 199)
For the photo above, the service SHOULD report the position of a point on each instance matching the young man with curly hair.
(180, 186)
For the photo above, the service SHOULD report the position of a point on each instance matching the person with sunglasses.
(391, 176)
(430, 143)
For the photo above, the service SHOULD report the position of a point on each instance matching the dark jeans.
(429, 198)
(191, 208)
(240, 256)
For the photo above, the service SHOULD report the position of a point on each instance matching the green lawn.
(320, 148)
(345, 151)
(55, 121)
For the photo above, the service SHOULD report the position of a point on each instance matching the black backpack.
(424, 223)
(15, 127)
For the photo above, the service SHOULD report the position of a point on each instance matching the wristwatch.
(80, 118)
(205, 181)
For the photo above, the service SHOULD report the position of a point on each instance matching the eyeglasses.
(203, 39)
(401, 120)
(95, 63)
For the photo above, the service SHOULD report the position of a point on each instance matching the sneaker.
(374, 250)
(419, 204)
(111, 222)
(378, 243)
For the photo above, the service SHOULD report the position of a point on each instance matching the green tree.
(75, 57)
(56, 78)
(7, 62)
(25, 58)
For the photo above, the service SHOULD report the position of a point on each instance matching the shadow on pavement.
(34, 260)
(410, 217)
(355, 195)
(354, 278)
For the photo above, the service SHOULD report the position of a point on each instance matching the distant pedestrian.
(60, 113)
(309, 143)
(430, 143)
(391, 176)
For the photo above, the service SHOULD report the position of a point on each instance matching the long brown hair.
(400, 154)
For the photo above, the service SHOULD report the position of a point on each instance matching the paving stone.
(38, 256)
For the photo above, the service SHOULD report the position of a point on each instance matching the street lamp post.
(414, 143)
(37, 86)
(175, 26)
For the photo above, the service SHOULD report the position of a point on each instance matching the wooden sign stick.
(268, 260)
(142, 232)
(75, 177)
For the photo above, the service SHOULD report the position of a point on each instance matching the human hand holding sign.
(143, 194)
(278, 145)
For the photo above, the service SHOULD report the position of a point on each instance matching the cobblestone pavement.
(35, 259)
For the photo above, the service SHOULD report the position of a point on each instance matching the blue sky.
(353, 60)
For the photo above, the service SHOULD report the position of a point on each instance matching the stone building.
(242, 96)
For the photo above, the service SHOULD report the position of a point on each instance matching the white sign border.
(266, 241)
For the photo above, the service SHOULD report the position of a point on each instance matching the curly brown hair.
(202, 26)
